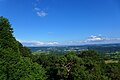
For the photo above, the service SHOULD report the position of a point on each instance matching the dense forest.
(18, 63)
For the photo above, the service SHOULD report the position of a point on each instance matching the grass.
(111, 61)
(36, 53)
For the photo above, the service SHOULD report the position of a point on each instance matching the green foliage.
(6, 38)
(8, 59)
(93, 64)
(26, 70)
(112, 56)
(13, 65)
(72, 67)
(112, 70)
(25, 52)
(89, 54)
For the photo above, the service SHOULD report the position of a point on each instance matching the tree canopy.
(14, 65)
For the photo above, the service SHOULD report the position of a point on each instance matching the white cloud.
(101, 40)
(39, 43)
(93, 38)
(90, 40)
(53, 43)
(41, 13)
(36, 8)
(112, 39)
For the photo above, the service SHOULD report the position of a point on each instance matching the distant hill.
(96, 47)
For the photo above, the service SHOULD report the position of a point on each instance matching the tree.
(90, 53)
(6, 38)
(13, 66)
(93, 64)
(65, 67)
(24, 51)
(112, 70)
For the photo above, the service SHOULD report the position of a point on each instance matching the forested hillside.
(14, 65)
(18, 63)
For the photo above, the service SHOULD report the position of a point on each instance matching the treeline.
(105, 48)
(17, 62)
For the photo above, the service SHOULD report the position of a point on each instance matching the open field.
(111, 61)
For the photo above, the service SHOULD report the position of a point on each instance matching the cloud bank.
(90, 40)
(39, 43)
(101, 40)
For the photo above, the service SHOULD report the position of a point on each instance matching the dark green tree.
(24, 51)
(93, 64)
(13, 66)
(6, 37)
(112, 70)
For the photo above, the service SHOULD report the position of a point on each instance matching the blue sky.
(69, 22)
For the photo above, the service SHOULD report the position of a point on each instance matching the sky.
(63, 22)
